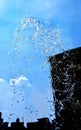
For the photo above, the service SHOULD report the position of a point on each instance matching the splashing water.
(34, 42)
(41, 38)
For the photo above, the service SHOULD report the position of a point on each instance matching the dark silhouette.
(41, 124)
(66, 83)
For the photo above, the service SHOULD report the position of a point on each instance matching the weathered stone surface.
(66, 83)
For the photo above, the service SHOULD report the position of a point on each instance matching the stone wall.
(66, 84)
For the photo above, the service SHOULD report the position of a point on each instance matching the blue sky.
(26, 84)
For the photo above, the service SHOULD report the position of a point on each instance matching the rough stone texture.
(66, 84)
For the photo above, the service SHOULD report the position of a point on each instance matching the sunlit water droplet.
(34, 42)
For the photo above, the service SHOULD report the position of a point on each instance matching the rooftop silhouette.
(41, 124)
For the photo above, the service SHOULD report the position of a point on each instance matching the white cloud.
(38, 100)
(20, 81)
(7, 93)
(2, 80)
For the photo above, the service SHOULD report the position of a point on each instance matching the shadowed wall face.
(66, 83)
